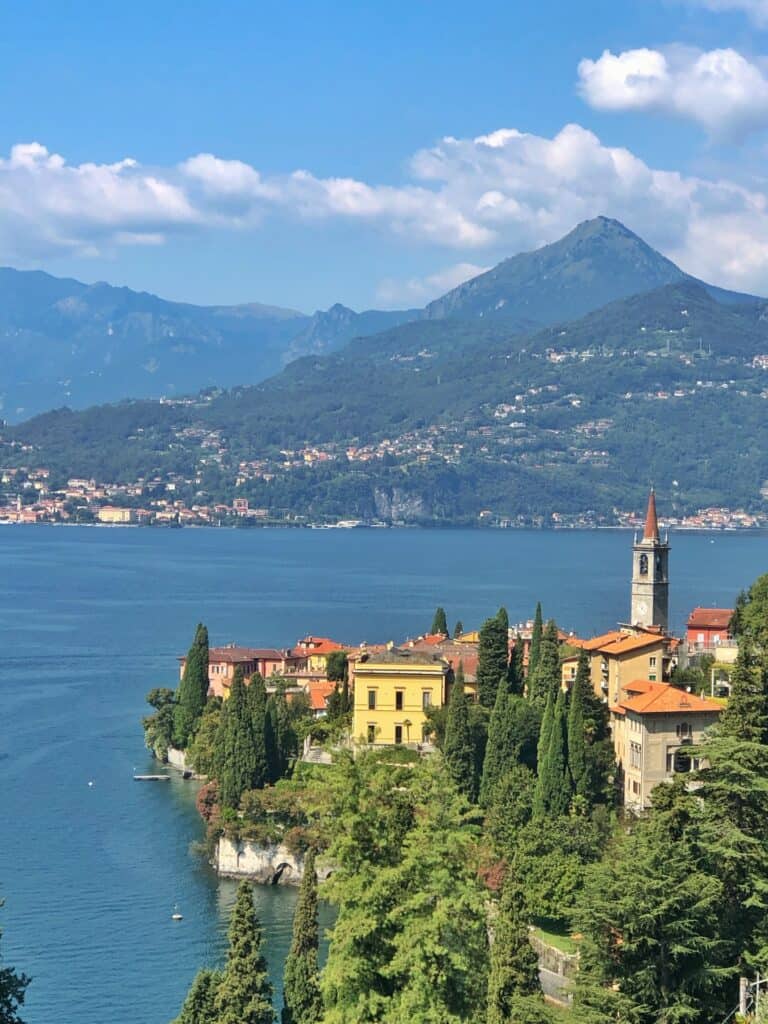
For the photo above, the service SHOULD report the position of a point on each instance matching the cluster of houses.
(652, 721)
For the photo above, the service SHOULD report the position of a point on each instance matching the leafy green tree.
(12, 990)
(511, 807)
(514, 992)
(554, 787)
(652, 952)
(458, 629)
(458, 749)
(198, 1007)
(493, 656)
(751, 615)
(279, 738)
(193, 690)
(244, 995)
(302, 1002)
(158, 728)
(545, 678)
(201, 753)
(439, 623)
(536, 635)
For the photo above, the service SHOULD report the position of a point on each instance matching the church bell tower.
(650, 574)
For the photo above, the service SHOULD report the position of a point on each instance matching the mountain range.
(560, 381)
(68, 343)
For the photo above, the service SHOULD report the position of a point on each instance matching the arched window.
(643, 565)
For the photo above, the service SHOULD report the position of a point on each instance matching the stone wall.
(271, 865)
(177, 759)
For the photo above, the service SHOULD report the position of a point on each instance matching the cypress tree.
(256, 702)
(458, 629)
(244, 995)
(198, 1007)
(302, 1003)
(553, 787)
(516, 671)
(538, 626)
(458, 749)
(439, 622)
(577, 752)
(193, 690)
(237, 768)
(545, 678)
(493, 656)
(545, 736)
(272, 742)
(497, 752)
(514, 993)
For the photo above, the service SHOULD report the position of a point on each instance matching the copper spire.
(651, 531)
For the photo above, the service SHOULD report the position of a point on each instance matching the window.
(398, 734)
(398, 700)
(643, 565)
(371, 733)
(677, 762)
(635, 755)
(371, 700)
(684, 731)
(653, 661)
(426, 699)
(652, 677)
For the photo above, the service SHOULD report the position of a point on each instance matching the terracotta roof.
(237, 655)
(631, 643)
(661, 698)
(318, 645)
(651, 531)
(319, 693)
(710, 618)
(596, 642)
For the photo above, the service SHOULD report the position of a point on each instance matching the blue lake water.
(90, 619)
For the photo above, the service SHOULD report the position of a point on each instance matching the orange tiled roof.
(596, 642)
(319, 692)
(661, 698)
(318, 645)
(631, 643)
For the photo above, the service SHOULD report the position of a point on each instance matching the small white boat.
(177, 915)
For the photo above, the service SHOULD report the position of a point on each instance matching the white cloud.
(757, 10)
(719, 89)
(420, 290)
(500, 192)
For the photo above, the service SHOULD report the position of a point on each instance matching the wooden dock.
(151, 778)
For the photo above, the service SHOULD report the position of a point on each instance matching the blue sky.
(375, 154)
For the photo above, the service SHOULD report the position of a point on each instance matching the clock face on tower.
(642, 609)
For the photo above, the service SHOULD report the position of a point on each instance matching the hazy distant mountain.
(596, 263)
(329, 329)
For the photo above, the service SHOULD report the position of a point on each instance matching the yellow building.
(392, 690)
(110, 514)
(317, 649)
(617, 658)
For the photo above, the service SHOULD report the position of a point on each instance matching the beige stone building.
(650, 725)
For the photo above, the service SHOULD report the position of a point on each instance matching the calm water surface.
(90, 619)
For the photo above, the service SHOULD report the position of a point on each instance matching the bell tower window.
(643, 565)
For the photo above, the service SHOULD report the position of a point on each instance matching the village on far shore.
(652, 720)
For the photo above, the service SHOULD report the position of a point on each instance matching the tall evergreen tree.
(516, 670)
(591, 758)
(554, 790)
(542, 750)
(458, 749)
(545, 678)
(236, 762)
(577, 742)
(256, 704)
(536, 634)
(497, 751)
(514, 992)
(439, 622)
(198, 1007)
(244, 995)
(458, 629)
(746, 714)
(302, 1003)
(272, 742)
(492, 657)
(193, 690)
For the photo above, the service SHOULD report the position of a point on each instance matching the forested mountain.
(67, 343)
(445, 419)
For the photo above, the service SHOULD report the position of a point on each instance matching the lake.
(90, 619)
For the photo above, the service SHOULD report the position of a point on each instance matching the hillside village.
(632, 669)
